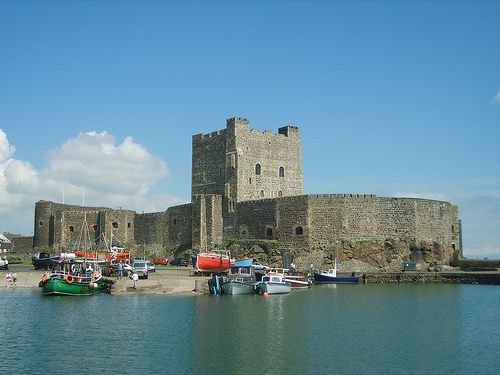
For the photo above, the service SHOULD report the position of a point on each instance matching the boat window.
(266, 278)
(245, 271)
(276, 279)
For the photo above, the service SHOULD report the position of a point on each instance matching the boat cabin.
(331, 272)
(242, 273)
(273, 279)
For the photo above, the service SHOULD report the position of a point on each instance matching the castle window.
(94, 228)
(250, 180)
(40, 223)
(262, 193)
(257, 169)
(299, 231)
(129, 225)
(280, 193)
(269, 232)
(71, 228)
(282, 172)
(452, 229)
(115, 224)
(174, 221)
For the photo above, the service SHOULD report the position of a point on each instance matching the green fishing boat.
(71, 285)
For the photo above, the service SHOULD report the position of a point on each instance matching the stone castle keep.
(247, 193)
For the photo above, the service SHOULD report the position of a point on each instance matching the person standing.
(8, 278)
(135, 277)
(14, 278)
(119, 267)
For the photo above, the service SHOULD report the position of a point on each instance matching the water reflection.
(360, 329)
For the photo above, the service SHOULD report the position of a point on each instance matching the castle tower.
(242, 164)
(239, 164)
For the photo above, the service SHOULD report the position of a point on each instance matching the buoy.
(266, 294)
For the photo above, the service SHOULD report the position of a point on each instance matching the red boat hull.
(210, 262)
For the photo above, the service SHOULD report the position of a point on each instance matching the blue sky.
(99, 99)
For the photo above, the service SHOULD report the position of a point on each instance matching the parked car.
(160, 262)
(179, 262)
(127, 269)
(140, 267)
(151, 267)
(4, 263)
(260, 267)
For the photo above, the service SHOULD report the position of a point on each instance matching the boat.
(242, 262)
(214, 261)
(71, 276)
(43, 260)
(330, 276)
(71, 283)
(274, 283)
(240, 280)
(297, 281)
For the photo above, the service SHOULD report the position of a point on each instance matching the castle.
(247, 192)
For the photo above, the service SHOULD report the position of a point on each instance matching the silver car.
(140, 267)
(151, 267)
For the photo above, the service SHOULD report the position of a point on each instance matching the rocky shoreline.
(453, 277)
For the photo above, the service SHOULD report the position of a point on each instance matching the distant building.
(4, 244)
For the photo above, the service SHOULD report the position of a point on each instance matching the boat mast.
(85, 241)
(61, 241)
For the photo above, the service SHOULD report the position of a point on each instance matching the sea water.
(328, 329)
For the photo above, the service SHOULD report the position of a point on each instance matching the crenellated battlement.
(289, 131)
(341, 196)
(202, 136)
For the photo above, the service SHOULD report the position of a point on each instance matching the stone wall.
(22, 244)
(150, 228)
(57, 224)
(208, 174)
(380, 231)
(179, 229)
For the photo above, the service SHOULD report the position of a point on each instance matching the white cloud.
(5, 149)
(486, 252)
(497, 97)
(91, 167)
